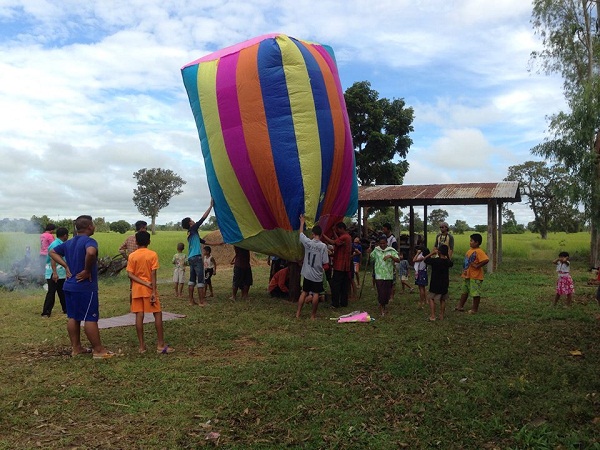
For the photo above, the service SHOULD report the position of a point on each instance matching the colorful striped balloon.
(276, 140)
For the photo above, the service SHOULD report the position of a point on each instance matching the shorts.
(564, 285)
(437, 297)
(142, 304)
(208, 273)
(179, 275)
(312, 286)
(82, 306)
(472, 287)
(421, 278)
(242, 277)
(196, 271)
(403, 277)
(356, 267)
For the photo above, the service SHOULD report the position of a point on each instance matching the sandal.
(165, 350)
(106, 355)
(459, 309)
(84, 351)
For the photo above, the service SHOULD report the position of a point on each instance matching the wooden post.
(397, 224)
(492, 235)
(360, 231)
(425, 226)
(499, 233)
(411, 232)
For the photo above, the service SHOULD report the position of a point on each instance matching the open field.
(507, 378)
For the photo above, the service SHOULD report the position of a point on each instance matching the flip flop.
(165, 350)
(106, 355)
(85, 351)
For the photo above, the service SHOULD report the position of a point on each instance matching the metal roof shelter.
(494, 195)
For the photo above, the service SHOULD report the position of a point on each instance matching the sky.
(91, 91)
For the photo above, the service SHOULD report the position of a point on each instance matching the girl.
(564, 284)
(210, 269)
(421, 273)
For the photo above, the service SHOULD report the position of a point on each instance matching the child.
(403, 268)
(316, 261)
(472, 275)
(384, 258)
(564, 284)
(210, 269)
(421, 273)
(180, 261)
(440, 279)
(141, 270)
(356, 256)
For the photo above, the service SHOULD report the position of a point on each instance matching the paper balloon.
(275, 138)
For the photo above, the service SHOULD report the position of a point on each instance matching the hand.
(83, 275)
(54, 277)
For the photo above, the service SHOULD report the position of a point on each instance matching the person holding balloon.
(342, 252)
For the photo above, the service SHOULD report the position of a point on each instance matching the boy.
(242, 272)
(141, 270)
(472, 275)
(440, 279)
(402, 267)
(180, 261)
(81, 287)
(210, 269)
(195, 256)
(316, 261)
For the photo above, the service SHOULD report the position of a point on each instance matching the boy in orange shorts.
(141, 270)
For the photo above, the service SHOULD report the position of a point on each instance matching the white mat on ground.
(129, 319)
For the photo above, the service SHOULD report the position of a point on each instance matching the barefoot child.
(440, 279)
(180, 261)
(421, 279)
(472, 275)
(402, 269)
(564, 284)
(210, 269)
(141, 270)
(316, 261)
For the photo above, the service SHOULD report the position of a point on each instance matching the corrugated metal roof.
(439, 194)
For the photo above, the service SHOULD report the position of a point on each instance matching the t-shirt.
(356, 258)
(180, 260)
(447, 239)
(60, 270)
(342, 253)
(563, 269)
(141, 263)
(46, 238)
(477, 256)
(194, 243)
(315, 256)
(279, 280)
(403, 268)
(392, 242)
(419, 264)
(384, 269)
(242, 257)
(73, 251)
(440, 274)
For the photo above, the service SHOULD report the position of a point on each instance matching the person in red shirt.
(342, 265)
(278, 286)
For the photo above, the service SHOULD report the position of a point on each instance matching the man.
(130, 246)
(342, 253)
(444, 238)
(391, 239)
(81, 287)
(195, 256)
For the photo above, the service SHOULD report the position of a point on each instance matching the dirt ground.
(224, 253)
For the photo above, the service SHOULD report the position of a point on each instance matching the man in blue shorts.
(81, 287)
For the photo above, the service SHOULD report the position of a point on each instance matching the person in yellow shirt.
(472, 275)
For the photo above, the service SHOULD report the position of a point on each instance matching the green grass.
(502, 379)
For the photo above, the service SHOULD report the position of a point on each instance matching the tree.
(510, 225)
(210, 224)
(435, 217)
(460, 226)
(380, 129)
(571, 39)
(155, 188)
(544, 188)
(120, 226)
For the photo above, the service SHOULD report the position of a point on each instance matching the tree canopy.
(155, 188)
(571, 48)
(380, 132)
